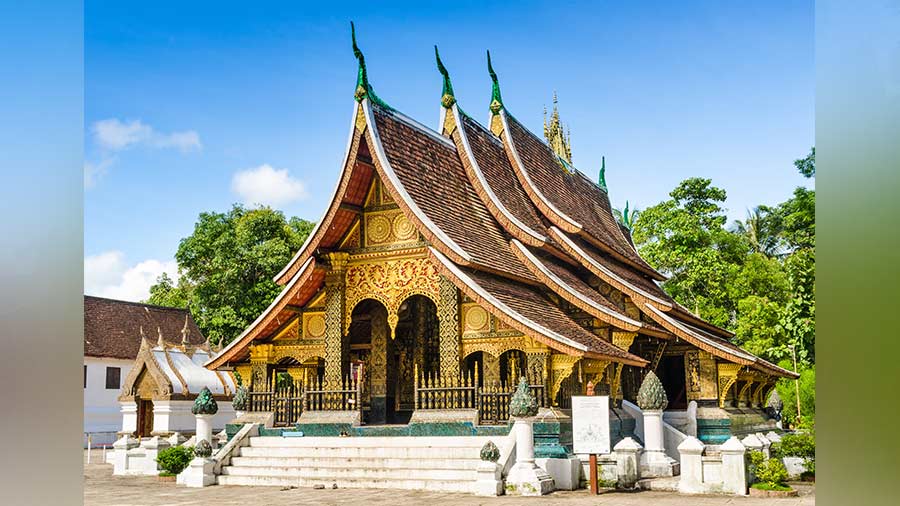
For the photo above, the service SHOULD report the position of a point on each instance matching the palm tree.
(761, 230)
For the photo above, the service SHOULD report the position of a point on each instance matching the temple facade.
(451, 262)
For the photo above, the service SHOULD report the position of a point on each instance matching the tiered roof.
(507, 220)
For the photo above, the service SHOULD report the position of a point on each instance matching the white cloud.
(268, 186)
(108, 275)
(94, 171)
(116, 135)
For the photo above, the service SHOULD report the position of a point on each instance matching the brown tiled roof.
(494, 164)
(526, 309)
(432, 174)
(572, 193)
(112, 327)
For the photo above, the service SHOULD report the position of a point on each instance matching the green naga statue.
(523, 404)
(205, 404)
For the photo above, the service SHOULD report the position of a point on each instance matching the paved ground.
(101, 488)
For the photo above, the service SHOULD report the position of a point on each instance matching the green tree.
(685, 239)
(762, 228)
(227, 265)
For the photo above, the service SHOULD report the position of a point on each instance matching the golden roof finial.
(557, 137)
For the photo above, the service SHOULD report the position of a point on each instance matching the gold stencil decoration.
(477, 319)
(378, 229)
(315, 325)
(403, 228)
(391, 282)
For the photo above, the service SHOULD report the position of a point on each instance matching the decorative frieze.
(727, 376)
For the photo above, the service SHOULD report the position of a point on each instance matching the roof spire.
(159, 338)
(447, 98)
(601, 181)
(557, 136)
(496, 101)
(363, 88)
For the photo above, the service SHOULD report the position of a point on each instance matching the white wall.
(102, 417)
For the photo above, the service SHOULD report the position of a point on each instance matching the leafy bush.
(797, 445)
(771, 472)
(174, 459)
(770, 486)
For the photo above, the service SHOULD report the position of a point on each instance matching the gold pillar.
(448, 329)
(260, 356)
(335, 342)
(622, 340)
(561, 367)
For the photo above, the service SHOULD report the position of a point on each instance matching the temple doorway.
(368, 348)
(144, 417)
(415, 348)
(671, 373)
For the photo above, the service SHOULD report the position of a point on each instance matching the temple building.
(451, 262)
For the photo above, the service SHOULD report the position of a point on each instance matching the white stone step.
(353, 473)
(372, 442)
(361, 452)
(374, 462)
(409, 484)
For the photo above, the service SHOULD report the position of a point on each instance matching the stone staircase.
(433, 463)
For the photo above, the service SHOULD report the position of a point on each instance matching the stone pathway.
(101, 488)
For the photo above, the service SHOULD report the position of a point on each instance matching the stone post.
(120, 448)
(525, 477)
(734, 467)
(752, 443)
(628, 458)
(129, 417)
(489, 474)
(691, 481)
(652, 400)
(204, 408)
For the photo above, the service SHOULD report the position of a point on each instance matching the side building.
(451, 262)
(112, 342)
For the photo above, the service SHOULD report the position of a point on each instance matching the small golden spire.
(557, 136)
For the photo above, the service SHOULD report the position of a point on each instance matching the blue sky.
(191, 106)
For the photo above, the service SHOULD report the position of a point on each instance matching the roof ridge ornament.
(496, 100)
(601, 180)
(159, 338)
(447, 97)
(558, 137)
(363, 88)
(185, 331)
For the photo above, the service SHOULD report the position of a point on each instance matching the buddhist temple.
(450, 262)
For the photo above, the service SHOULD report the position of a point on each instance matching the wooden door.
(145, 418)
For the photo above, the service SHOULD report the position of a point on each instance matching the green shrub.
(787, 392)
(756, 459)
(174, 459)
(771, 472)
(796, 445)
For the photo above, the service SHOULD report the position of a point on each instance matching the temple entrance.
(671, 373)
(369, 343)
(415, 348)
(144, 417)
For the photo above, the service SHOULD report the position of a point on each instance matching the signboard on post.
(590, 424)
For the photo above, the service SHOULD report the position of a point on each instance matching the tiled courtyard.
(101, 488)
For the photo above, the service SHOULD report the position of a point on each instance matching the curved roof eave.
(604, 273)
(492, 201)
(568, 292)
(401, 196)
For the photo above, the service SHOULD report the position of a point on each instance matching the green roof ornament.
(652, 395)
(447, 98)
(363, 88)
(496, 101)
(523, 404)
(205, 404)
(601, 181)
